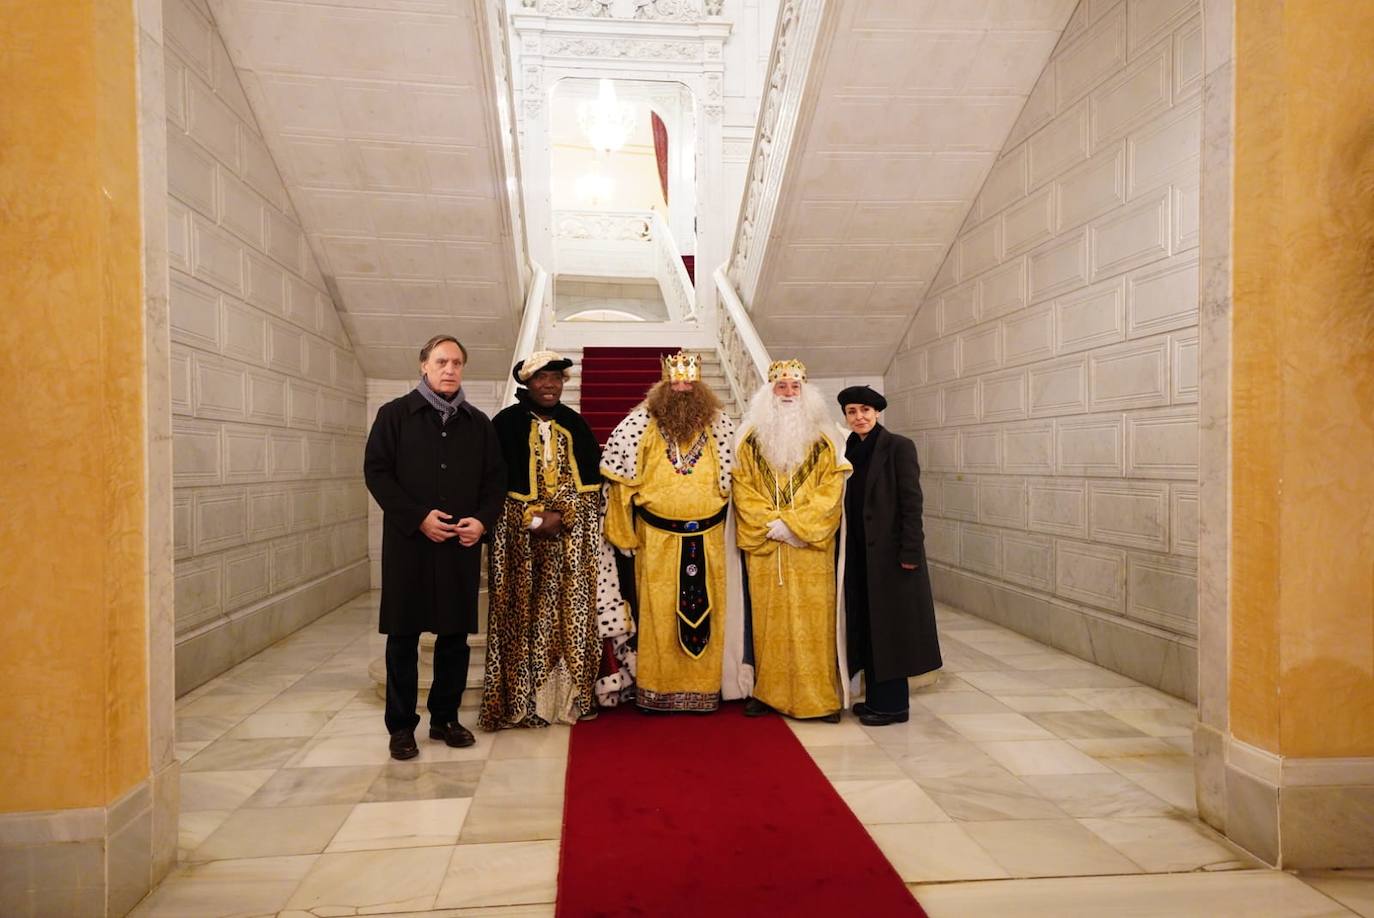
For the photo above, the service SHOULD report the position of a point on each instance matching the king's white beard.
(786, 432)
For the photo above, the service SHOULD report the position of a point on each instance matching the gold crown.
(682, 367)
(787, 369)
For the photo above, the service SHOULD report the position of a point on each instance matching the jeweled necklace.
(683, 463)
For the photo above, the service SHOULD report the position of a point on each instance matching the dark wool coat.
(894, 603)
(415, 464)
(513, 428)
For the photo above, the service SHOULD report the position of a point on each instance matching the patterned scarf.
(446, 408)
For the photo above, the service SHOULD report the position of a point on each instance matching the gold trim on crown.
(787, 369)
(682, 367)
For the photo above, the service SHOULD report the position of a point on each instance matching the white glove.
(779, 531)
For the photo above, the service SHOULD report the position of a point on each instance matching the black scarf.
(513, 432)
(859, 452)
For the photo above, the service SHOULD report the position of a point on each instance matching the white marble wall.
(267, 398)
(1050, 377)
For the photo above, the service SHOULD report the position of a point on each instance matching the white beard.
(786, 432)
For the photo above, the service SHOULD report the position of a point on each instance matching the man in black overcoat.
(888, 604)
(434, 466)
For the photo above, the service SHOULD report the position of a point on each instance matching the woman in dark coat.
(888, 604)
(434, 466)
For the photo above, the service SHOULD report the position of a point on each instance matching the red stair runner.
(614, 380)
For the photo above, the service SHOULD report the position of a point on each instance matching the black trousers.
(889, 696)
(451, 655)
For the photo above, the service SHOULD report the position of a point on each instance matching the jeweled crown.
(787, 369)
(682, 367)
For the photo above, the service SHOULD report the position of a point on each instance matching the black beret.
(561, 364)
(861, 395)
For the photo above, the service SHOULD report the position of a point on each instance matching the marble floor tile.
(977, 798)
(1040, 660)
(227, 889)
(922, 727)
(194, 828)
(944, 760)
(325, 751)
(349, 882)
(272, 832)
(270, 726)
(245, 754)
(1176, 787)
(1136, 755)
(1237, 894)
(204, 729)
(1042, 757)
(1137, 698)
(235, 682)
(962, 703)
(884, 802)
(1050, 700)
(855, 763)
(425, 781)
(514, 873)
(185, 752)
(847, 732)
(546, 742)
(521, 817)
(402, 824)
(333, 682)
(1164, 845)
(214, 705)
(1352, 888)
(1084, 724)
(220, 790)
(1097, 677)
(934, 852)
(505, 777)
(1104, 796)
(435, 750)
(1165, 722)
(364, 722)
(992, 728)
(315, 786)
(1048, 847)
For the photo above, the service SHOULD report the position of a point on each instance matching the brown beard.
(682, 416)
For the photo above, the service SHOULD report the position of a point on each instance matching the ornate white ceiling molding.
(663, 10)
(794, 46)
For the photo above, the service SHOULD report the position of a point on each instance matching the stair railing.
(742, 353)
(678, 292)
(534, 324)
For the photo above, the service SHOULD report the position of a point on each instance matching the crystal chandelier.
(607, 123)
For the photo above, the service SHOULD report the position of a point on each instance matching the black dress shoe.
(871, 718)
(403, 745)
(861, 709)
(452, 733)
(832, 718)
(755, 708)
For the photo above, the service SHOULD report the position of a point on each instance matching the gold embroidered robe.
(668, 676)
(792, 590)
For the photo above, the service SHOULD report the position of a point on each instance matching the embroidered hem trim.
(676, 701)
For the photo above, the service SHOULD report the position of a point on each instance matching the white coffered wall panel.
(1069, 303)
(268, 399)
(911, 107)
(381, 115)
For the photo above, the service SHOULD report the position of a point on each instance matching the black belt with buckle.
(683, 527)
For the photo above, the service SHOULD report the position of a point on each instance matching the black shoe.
(861, 709)
(755, 708)
(871, 718)
(832, 718)
(403, 745)
(452, 733)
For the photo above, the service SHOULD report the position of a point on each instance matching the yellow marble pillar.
(1299, 736)
(76, 802)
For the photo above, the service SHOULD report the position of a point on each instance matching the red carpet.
(711, 815)
(614, 380)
